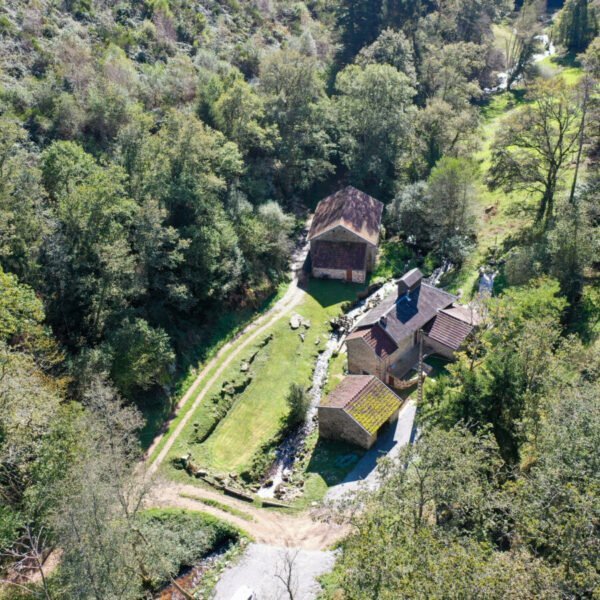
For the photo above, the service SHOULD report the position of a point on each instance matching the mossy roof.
(366, 399)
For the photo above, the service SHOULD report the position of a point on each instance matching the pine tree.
(578, 25)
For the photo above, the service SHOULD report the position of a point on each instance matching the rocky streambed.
(275, 484)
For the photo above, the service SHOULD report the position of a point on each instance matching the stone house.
(357, 409)
(385, 343)
(344, 235)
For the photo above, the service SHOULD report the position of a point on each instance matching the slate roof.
(366, 399)
(339, 255)
(452, 326)
(376, 337)
(409, 281)
(352, 209)
(407, 314)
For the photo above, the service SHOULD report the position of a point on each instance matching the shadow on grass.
(329, 292)
(333, 460)
(439, 365)
(568, 60)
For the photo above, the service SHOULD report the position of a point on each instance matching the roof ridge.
(387, 333)
(355, 398)
(370, 378)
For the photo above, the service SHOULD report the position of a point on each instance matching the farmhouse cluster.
(384, 349)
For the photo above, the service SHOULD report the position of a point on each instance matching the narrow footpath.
(292, 297)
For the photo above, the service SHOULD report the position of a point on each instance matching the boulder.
(302, 336)
(295, 321)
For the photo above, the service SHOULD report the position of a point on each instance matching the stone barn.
(344, 236)
(357, 409)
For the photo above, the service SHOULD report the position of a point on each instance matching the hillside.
(164, 342)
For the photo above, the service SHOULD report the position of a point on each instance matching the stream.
(548, 49)
(294, 443)
(192, 576)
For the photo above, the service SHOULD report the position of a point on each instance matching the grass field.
(257, 413)
(498, 212)
(224, 328)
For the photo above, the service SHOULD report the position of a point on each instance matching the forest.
(158, 160)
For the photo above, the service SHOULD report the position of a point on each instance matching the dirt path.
(292, 297)
(267, 526)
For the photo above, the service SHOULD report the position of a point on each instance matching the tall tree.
(88, 253)
(374, 113)
(439, 214)
(295, 101)
(535, 145)
(359, 25)
(578, 24)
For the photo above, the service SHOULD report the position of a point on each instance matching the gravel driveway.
(259, 568)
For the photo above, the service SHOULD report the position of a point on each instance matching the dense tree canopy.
(158, 160)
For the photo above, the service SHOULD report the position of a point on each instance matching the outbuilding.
(357, 409)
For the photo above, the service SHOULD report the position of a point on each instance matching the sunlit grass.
(257, 413)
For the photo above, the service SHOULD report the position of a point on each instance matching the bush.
(298, 401)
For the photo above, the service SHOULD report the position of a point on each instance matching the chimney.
(409, 282)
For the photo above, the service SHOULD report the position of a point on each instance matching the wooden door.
(348, 274)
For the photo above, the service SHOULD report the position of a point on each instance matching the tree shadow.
(333, 460)
(567, 60)
(329, 292)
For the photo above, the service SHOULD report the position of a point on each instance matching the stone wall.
(434, 347)
(336, 424)
(362, 359)
(357, 276)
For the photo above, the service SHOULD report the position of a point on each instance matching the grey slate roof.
(409, 281)
(356, 211)
(407, 314)
(449, 330)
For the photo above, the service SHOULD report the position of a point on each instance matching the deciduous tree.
(535, 144)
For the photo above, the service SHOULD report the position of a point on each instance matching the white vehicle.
(243, 593)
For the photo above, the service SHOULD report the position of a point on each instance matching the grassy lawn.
(256, 414)
(337, 369)
(225, 327)
(565, 66)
